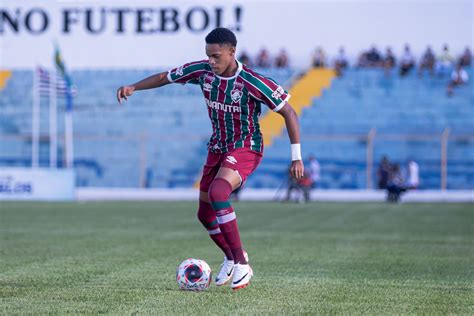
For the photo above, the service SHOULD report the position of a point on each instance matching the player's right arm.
(151, 82)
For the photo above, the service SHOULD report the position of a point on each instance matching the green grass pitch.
(317, 258)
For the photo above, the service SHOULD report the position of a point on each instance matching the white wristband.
(295, 152)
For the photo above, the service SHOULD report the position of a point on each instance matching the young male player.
(233, 94)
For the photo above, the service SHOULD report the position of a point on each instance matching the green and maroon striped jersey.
(233, 103)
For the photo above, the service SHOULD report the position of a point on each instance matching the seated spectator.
(428, 61)
(244, 58)
(340, 62)
(466, 58)
(362, 60)
(445, 62)
(459, 77)
(374, 58)
(263, 59)
(389, 60)
(407, 61)
(395, 185)
(282, 60)
(302, 185)
(319, 58)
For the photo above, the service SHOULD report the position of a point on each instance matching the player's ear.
(232, 50)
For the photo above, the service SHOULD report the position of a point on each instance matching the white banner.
(139, 34)
(36, 184)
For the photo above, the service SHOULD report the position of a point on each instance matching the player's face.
(220, 57)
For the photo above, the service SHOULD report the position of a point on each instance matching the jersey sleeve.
(270, 93)
(188, 73)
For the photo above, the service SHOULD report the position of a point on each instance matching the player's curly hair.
(221, 36)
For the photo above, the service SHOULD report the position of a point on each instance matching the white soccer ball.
(193, 275)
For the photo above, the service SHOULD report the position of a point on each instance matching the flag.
(45, 79)
(65, 76)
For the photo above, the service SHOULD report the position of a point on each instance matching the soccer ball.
(193, 275)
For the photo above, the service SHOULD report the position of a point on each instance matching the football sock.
(219, 193)
(207, 216)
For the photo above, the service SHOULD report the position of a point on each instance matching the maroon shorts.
(242, 160)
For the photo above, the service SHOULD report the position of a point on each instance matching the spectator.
(314, 170)
(374, 58)
(263, 59)
(459, 77)
(319, 58)
(407, 62)
(383, 173)
(244, 58)
(445, 61)
(466, 58)
(395, 185)
(413, 175)
(302, 185)
(428, 61)
(340, 62)
(362, 60)
(389, 61)
(282, 60)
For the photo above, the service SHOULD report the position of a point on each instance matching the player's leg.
(226, 181)
(234, 170)
(206, 214)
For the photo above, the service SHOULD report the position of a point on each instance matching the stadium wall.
(138, 34)
(104, 194)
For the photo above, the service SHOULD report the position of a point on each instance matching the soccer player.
(233, 95)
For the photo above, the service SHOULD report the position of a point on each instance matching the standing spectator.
(282, 60)
(407, 62)
(315, 171)
(388, 61)
(413, 175)
(263, 59)
(340, 62)
(466, 58)
(428, 61)
(458, 77)
(319, 58)
(244, 58)
(445, 62)
(383, 173)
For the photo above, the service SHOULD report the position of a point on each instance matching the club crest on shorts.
(231, 159)
(236, 95)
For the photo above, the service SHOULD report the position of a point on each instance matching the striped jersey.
(234, 104)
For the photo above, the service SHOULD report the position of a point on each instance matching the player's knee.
(219, 191)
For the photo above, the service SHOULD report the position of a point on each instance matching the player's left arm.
(293, 128)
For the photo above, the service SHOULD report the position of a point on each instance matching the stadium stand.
(157, 139)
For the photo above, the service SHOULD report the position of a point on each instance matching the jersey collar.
(239, 69)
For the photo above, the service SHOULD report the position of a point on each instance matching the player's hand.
(297, 169)
(124, 92)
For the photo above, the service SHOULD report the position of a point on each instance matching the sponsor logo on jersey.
(209, 77)
(278, 92)
(223, 107)
(231, 159)
(180, 71)
(207, 86)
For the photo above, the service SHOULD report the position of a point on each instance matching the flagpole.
(53, 121)
(35, 121)
(68, 138)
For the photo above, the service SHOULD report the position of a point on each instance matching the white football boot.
(242, 275)
(225, 274)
